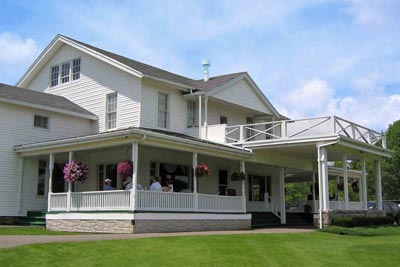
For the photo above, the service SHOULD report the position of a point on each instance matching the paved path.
(17, 240)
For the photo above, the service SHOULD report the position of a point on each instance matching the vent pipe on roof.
(206, 64)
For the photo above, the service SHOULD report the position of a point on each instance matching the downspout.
(319, 146)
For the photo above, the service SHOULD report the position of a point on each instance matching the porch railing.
(305, 128)
(119, 200)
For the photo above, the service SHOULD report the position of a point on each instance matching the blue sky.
(311, 58)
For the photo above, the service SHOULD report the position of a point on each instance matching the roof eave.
(47, 108)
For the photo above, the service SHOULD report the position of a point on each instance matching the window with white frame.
(76, 69)
(163, 110)
(41, 183)
(191, 114)
(41, 122)
(65, 72)
(55, 72)
(111, 111)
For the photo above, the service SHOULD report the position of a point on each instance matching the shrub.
(362, 231)
(362, 221)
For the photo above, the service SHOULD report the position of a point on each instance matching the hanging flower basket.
(354, 187)
(125, 169)
(340, 186)
(202, 169)
(76, 172)
(238, 176)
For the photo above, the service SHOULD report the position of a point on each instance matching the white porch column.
(364, 184)
(134, 175)
(243, 169)
(282, 194)
(323, 176)
(378, 184)
(51, 167)
(70, 155)
(21, 183)
(313, 192)
(345, 182)
(206, 115)
(200, 122)
(194, 163)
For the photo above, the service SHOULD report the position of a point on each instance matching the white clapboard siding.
(242, 94)
(97, 80)
(149, 107)
(16, 124)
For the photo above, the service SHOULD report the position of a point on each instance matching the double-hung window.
(65, 72)
(111, 111)
(76, 69)
(163, 110)
(55, 71)
(191, 114)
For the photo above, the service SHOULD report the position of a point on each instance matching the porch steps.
(33, 218)
(264, 220)
(299, 219)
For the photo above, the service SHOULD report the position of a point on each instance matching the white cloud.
(16, 54)
(316, 98)
(373, 12)
(15, 50)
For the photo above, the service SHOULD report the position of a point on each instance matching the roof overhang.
(129, 136)
(48, 108)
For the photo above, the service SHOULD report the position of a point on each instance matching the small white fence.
(305, 128)
(118, 200)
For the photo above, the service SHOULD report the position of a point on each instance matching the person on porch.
(127, 185)
(169, 187)
(108, 185)
(155, 185)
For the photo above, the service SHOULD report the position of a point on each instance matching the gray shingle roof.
(39, 98)
(212, 83)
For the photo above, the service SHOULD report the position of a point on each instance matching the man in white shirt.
(156, 186)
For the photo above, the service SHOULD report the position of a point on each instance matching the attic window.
(65, 72)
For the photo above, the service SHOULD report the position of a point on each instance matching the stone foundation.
(327, 217)
(164, 226)
(91, 226)
(99, 222)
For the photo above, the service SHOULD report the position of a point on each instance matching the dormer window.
(70, 71)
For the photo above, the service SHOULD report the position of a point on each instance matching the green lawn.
(30, 231)
(306, 249)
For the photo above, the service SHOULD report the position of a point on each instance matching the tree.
(391, 166)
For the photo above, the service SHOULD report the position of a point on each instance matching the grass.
(30, 231)
(305, 249)
(363, 231)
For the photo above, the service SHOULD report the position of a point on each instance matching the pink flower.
(125, 169)
(76, 171)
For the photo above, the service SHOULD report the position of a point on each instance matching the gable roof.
(26, 97)
(142, 70)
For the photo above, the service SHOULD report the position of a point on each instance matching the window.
(258, 186)
(76, 69)
(163, 110)
(65, 72)
(41, 122)
(223, 120)
(153, 169)
(111, 111)
(222, 181)
(191, 114)
(55, 71)
(107, 171)
(41, 178)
